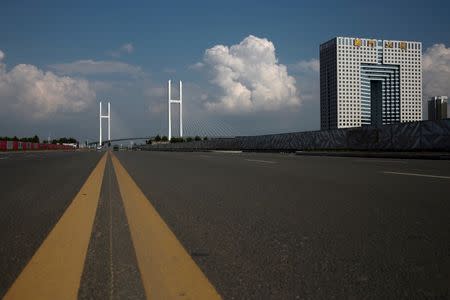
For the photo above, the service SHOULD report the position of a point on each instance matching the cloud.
(33, 93)
(312, 65)
(2, 56)
(250, 77)
(436, 71)
(306, 73)
(92, 67)
(127, 48)
(196, 66)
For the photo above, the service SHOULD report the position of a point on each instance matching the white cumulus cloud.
(312, 65)
(436, 71)
(33, 93)
(250, 77)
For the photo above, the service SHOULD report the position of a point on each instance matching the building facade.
(369, 82)
(437, 108)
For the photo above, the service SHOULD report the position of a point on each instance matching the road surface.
(159, 225)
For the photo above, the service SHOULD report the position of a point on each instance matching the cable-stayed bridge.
(195, 127)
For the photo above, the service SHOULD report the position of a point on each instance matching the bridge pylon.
(108, 116)
(175, 101)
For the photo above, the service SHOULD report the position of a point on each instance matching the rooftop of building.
(333, 40)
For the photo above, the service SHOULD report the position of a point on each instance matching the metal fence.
(413, 136)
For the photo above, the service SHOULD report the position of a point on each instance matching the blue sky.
(167, 38)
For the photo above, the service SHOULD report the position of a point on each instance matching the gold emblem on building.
(357, 42)
(371, 43)
(403, 45)
(389, 45)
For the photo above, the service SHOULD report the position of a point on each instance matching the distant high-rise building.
(437, 108)
(369, 82)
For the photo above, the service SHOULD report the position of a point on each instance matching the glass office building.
(369, 82)
(437, 108)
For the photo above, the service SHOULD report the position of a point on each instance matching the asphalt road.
(271, 226)
(259, 226)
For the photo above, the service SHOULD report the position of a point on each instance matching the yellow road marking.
(54, 272)
(167, 270)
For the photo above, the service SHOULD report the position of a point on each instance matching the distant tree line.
(35, 139)
(158, 139)
(65, 140)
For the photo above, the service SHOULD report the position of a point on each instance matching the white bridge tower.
(180, 101)
(108, 116)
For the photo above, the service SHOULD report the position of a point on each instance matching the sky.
(248, 67)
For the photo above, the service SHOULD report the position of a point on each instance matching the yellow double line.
(167, 270)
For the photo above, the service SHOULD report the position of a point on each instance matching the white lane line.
(381, 161)
(262, 161)
(226, 151)
(418, 175)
